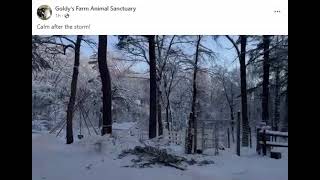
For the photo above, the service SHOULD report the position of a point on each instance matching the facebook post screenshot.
(160, 89)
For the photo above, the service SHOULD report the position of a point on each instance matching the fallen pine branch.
(149, 155)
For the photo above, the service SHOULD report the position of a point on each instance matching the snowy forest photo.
(160, 107)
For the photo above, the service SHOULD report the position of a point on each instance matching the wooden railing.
(264, 140)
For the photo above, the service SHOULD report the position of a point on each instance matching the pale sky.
(226, 55)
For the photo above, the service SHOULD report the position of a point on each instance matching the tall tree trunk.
(167, 118)
(286, 101)
(106, 86)
(230, 103)
(245, 122)
(72, 100)
(189, 136)
(277, 100)
(192, 132)
(232, 123)
(168, 113)
(167, 101)
(159, 93)
(167, 93)
(286, 121)
(232, 113)
(159, 117)
(153, 89)
(265, 83)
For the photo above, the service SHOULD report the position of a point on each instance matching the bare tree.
(153, 88)
(277, 100)
(192, 124)
(279, 66)
(265, 83)
(243, 83)
(245, 121)
(136, 50)
(229, 97)
(106, 86)
(69, 134)
(45, 50)
(169, 83)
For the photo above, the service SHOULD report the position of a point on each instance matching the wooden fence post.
(264, 146)
(238, 134)
(228, 137)
(202, 137)
(216, 140)
(250, 138)
(258, 138)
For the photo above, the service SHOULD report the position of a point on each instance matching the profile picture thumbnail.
(44, 12)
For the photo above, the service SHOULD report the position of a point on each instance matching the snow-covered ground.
(95, 158)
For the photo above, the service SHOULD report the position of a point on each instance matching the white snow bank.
(52, 159)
